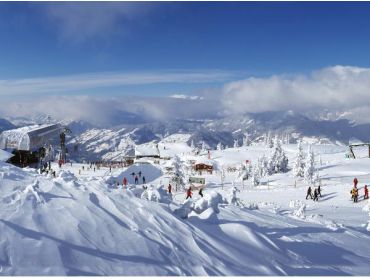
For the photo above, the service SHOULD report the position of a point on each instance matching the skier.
(169, 188)
(124, 182)
(366, 196)
(139, 173)
(315, 195)
(201, 192)
(354, 193)
(133, 174)
(309, 193)
(319, 190)
(355, 181)
(136, 180)
(143, 179)
(188, 193)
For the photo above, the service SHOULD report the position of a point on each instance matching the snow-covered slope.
(80, 223)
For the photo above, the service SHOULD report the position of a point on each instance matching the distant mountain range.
(97, 142)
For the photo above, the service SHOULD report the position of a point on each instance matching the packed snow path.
(79, 225)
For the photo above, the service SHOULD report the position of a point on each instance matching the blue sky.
(237, 39)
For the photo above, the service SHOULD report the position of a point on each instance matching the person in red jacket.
(366, 196)
(188, 193)
(355, 181)
(124, 181)
(169, 188)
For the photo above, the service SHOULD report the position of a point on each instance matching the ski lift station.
(27, 142)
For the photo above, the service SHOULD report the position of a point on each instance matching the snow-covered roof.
(205, 161)
(146, 150)
(29, 138)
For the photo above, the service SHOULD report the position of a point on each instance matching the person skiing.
(315, 195)
(309, 193)
(354, 193)
(143, 179)
(355, 181)
(133, 174)
(139, 173)
(136, 180)
(366, 195)
(319, 190)
(169, 188)
(201, 192)
(188, 193)
(124, 182)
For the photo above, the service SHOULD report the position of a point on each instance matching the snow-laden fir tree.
(219, 146)
(298, 167)
(204, 148)
(256, 177)
(309, 169)
(246, 172)
(263, 166)
(278, 161)
(246, 140)
(179, 173)
(192, 144)
(236, 144)
(270, 140)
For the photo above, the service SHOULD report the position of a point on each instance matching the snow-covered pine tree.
(236, 144)
(219, 146)
(270, 141)
(278, 161)
(192, 144)
(263, 166)
(309, 170)
(256, 175)
(204, 148)
(298, 167)
(246, 140)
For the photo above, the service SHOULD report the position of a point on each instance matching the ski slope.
(83, 224)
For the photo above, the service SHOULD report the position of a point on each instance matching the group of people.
(355, 191)
(315, 195)
(137, 176)
(189, 193)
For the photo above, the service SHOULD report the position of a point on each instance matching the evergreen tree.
(298, 168)
(219, 146)
(270, 141)
(278, 161)
(236, 144)
(256, 175)
(204, 148)
(192, 144)
(246, 140)
(309, 170)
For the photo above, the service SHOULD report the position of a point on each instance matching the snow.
(82, 223)
(146, 150)
(4, 155)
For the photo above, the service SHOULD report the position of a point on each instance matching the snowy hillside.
(5, 125)
(81, 223)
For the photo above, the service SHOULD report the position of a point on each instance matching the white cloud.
(335, 88)
(183, 96)
(99, 80)
(78, 22)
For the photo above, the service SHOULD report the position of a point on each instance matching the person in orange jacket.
(189, 193)
(355, 181)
